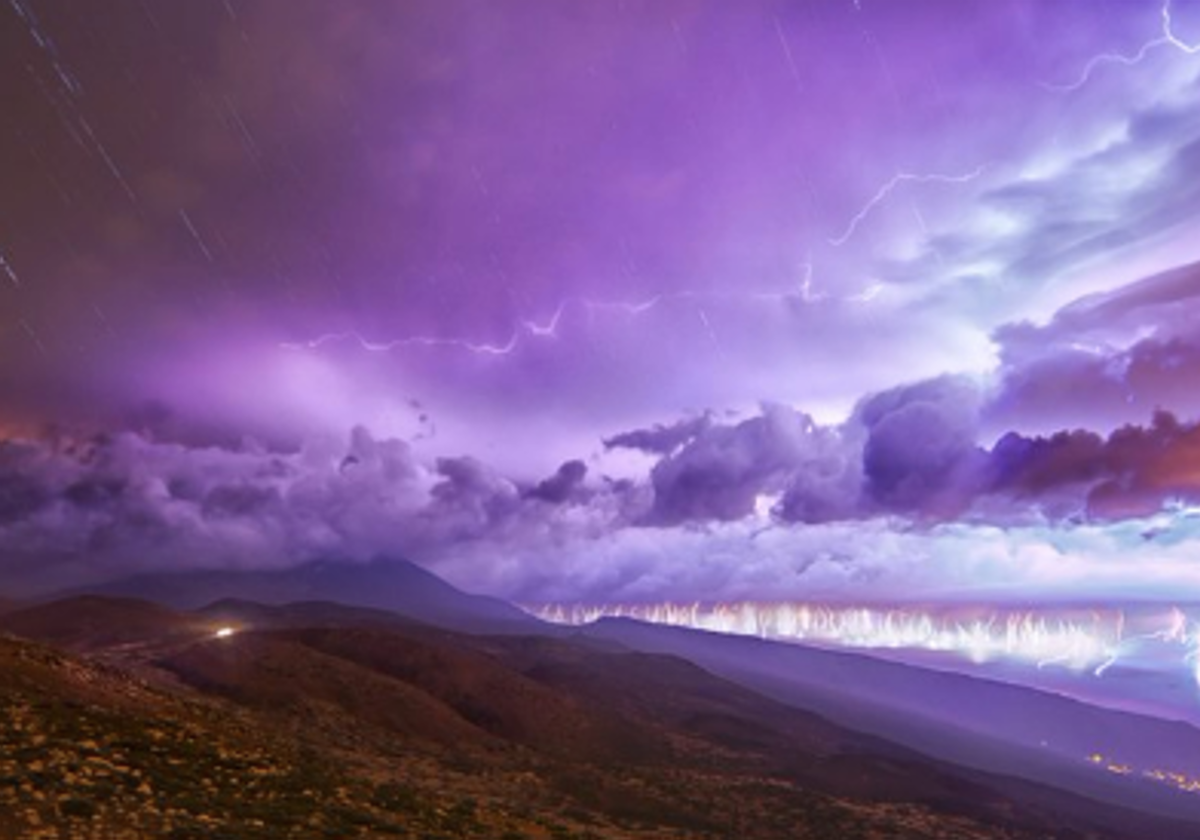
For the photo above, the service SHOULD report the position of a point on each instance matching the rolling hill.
(318, 720)
(992, 726)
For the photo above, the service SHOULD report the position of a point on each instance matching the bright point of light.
(764, 503)
(224, 632)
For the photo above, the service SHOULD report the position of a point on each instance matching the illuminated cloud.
(636, 300)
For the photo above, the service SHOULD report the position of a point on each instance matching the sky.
(608, 300)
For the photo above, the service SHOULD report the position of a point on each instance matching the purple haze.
(606, 300)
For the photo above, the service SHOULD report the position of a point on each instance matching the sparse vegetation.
(344, 734)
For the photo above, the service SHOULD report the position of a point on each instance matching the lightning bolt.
(526, 329)
(887, 189)
(550, 328)
(806, 285)
(479, 348)
(1168, 38)
(868, 294)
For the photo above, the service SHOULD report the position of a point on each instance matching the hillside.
(365, 730)
(994, 726)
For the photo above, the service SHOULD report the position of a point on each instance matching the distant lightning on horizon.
(1091, 640)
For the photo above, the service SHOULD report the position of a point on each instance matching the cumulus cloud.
(73, 509)
(920, 443)
(559, 487)
(909, 450)
(728, 507)
(723, 470)
(1133, 472)
(912, 452)
(662, 438)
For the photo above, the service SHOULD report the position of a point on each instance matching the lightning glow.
(1078, 639)
(355, 337)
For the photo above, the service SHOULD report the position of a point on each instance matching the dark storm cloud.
(74, 509)
(723, 470)
(662, 439)
(287, 219)
(1132, 472)
(920, 445)
(562, 485)
(911, 452)
(1119, 356)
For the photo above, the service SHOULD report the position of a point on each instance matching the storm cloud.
(864, 311)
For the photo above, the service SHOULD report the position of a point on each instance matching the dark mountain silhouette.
(385, 584)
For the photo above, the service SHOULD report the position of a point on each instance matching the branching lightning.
(370, 346)
(888, 188)
(526, 329)
(1168, 38)
(550, 328)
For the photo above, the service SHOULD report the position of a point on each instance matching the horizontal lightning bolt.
(549, 329)
(412, 341)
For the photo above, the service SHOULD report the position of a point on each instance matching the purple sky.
(624, 299)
